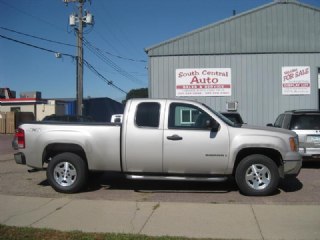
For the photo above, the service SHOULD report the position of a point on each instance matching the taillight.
(20, 138)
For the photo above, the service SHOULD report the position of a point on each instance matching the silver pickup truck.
(163, 140)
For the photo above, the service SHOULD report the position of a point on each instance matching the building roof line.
(233, 53)
(21, 100)
(171, 40)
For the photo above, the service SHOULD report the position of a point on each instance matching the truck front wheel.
(67, 173)
(257, 175)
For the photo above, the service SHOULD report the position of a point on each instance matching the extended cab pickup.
(164, 140)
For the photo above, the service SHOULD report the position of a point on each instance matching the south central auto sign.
(203, 82)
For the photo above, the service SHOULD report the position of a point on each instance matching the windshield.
(223, 118)
(233, 116)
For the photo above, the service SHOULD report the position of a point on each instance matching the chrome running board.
(176, 178)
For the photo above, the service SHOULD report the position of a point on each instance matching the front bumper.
(310, 153)
(292, 164)
(20, 158)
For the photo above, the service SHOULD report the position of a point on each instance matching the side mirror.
(269, 125)
(213, 125)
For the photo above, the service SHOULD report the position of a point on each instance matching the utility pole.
(80, 61)
(79, 22)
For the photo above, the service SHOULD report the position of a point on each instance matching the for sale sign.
(203, 82)
(296, 80)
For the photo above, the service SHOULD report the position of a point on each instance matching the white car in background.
(116, 118)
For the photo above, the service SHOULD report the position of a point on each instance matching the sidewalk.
(222, 221)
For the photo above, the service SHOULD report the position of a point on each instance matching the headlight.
(294, 144)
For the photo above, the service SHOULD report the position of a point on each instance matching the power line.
(34, 46)
(109, 82)
(125, 58)
(90, 67)
(113, 22)
(30, 15)
(36, 37)
(105, 40)
(108, 61)
(110, 32)
(114, 55)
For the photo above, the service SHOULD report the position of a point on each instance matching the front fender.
(255, 142)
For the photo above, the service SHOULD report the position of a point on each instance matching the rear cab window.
(309, 121)
(148, 115)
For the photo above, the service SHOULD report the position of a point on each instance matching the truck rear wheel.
(67, 173)
(257, 175)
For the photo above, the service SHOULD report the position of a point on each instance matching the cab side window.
(148, 115)
(279, 120)
(286, 121)
(186, 116)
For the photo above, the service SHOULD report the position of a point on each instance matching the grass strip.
(28, 233)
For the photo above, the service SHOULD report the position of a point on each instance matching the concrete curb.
(223, 221)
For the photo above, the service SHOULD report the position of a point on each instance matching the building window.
(15, 109)
(186, 116)
(189, 116)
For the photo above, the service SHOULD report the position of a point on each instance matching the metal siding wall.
(275, 28)
(256, 82)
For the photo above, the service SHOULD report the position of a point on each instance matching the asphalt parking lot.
(16, 180)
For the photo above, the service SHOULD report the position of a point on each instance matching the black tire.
(67, 173)
(257, 175)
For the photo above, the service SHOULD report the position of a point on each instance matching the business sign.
(203, 82)
(296, 80)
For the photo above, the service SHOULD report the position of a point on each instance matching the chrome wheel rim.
(258, 176)
(65, 174)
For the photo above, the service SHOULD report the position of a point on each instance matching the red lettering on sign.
(196, 80)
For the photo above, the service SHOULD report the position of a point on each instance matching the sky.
(114, 45)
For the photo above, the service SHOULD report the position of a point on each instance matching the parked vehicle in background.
(234, 117)
(161, 139)
(306, 123)
(116, 118)
(67, 118)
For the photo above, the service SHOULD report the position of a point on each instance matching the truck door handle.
(174, 137)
